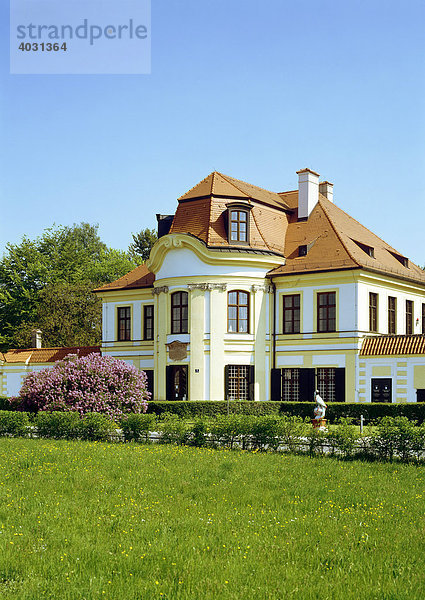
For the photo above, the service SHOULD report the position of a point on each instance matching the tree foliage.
(46, 283)
(142, 244)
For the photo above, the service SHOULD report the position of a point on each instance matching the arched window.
(237, 312)
(179, 312)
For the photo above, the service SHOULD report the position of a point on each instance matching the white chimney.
(327, 190)
(36, 338)
(308, 192)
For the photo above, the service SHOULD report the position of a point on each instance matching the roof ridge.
(361, 225)
(227, 177)
(259, 231)
(199, 183)
(320, 202)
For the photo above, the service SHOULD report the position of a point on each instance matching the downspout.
(274, 326)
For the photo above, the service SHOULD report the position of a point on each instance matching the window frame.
(409, 317)
(392, 315)
(327, 307)
(238, 306)
(373, 312)
(181, 324)
(238, 211)
(124, 324)
(237, 378)
(291, 310)
(146, 320)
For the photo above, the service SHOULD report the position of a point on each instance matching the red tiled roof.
(333, 234)
(47, 355)
(392, 345)
(140, 277)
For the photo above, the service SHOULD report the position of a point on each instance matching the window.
(290, 385)
(124, 324)
(423, 319)
(237, 312)
(326, 384)
(403, 260)
(291, 313)
(238, 226)
(368, 249)
(409, 317)
(373, 312)
(148, 322)
(302, 250)
(239, 380)
(326, 312)
(179, 312)
(392, 313)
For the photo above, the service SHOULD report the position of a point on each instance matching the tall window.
(124, 324)
(373, 312)
(238, 382)
(290, 385)
(409, 317)
(238, 226)
(237, 312)
(423, 318)
(326, 384)
(291, 313)
(179, 312)
(326, 312)
(148, 322)
(392, 314)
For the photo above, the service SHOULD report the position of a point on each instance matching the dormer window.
(401, 259)
(238, 226)
(238, 222)
(302, 250)
(370, 251)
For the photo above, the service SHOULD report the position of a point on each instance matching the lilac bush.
(92, 383)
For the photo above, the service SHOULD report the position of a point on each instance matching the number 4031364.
(43, 47)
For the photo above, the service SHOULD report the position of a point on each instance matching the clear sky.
(254, 89)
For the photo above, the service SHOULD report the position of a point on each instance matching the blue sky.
(257, 90)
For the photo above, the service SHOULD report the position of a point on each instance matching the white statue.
(319, 410)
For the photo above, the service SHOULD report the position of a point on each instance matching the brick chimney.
(327, 190)
(36, 338)
(308, 192)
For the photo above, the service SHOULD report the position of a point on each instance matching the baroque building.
(255, 295)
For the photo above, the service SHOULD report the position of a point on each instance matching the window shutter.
(306, 382)
(251, 381)
(340, 385)
(226, 382)
(276, 384)
(169, 379)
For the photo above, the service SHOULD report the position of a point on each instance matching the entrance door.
(177, 382)
(381, 390)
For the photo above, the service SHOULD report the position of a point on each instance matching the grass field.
(91, 520)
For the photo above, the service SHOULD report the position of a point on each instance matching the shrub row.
(394, 436)
(335, 411)
(58, 425)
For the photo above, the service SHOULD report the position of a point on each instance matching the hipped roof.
(140, 277)
(46, 355)
(333, 238)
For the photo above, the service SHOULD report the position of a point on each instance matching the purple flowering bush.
(93, 383)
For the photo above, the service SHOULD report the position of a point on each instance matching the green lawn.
(91, 520)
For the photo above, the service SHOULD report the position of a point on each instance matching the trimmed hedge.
(13, 423)
(334, 412)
